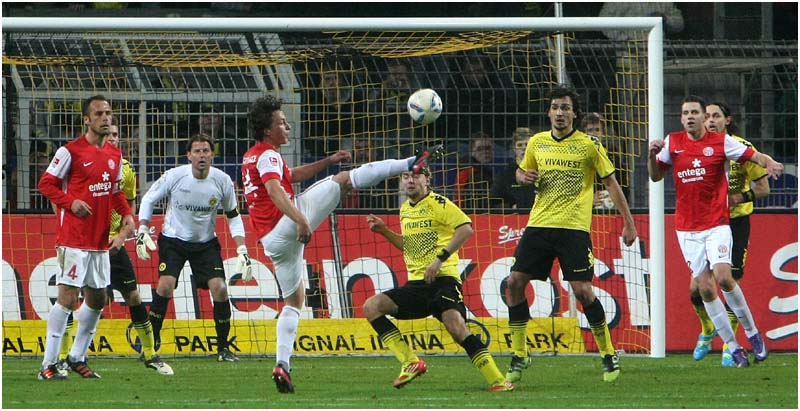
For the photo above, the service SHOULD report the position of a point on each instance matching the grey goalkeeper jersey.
(192, 204)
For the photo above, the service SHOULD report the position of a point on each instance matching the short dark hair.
(732, 128)
(88, 102)
(260, 114)
(199, 138)
(563, 90)
(694, 99)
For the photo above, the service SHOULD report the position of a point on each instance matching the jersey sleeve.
(128, 184)
(157, 192)
(449, 214)
(663, 158)
(270, 165)
(602, 164)
(51, 181)
(529, 160)
(61, 163)
(229, 202)
(736, 150)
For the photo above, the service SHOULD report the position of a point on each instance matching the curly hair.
(563, 90)
(260, 114)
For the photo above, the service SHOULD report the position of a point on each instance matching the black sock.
(158, 309)
(222, 322)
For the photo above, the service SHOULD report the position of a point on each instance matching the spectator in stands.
(390, 105)
(211, 123)
(505, 191)
(474, 179)
(383, 195)
(334, 111)
(593, 124)
(481, 100)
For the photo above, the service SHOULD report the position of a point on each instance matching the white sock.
(719, 316)
(738, 304)
(287, 332)
(56, 324)
(87, 326)
(373, 173)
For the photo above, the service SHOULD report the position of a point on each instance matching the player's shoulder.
(540, 135)
(218, 175)
(743, 141)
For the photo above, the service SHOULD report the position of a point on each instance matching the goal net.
(344, 88)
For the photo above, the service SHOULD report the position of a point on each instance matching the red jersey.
(80, 170)
(700, 172)
(261, 163)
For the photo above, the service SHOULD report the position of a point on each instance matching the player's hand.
(655, 147)
(629, 235)
(432, 271)
(80, 208)
(339, 156)
(376, 224)
(243, 265)
(774, 169)
(527, 177)
(144, 242)
(304, 232)
(116, 244)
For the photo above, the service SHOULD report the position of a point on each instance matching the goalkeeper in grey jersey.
(194, 192)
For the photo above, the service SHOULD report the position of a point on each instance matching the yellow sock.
(66, 341)
(145, 332)
(734, 321)
(603, 339)
(705, 321)
(394, 342)
(484, 362)
(518, 344)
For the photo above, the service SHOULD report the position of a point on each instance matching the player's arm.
(774, 168)
(460, 236)
(306, 171)
(654, 169)
(629, 233)
(281, 200)
(154, 194)
(377, 225)
(758, 189)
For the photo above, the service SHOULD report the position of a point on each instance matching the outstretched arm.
(306, 171)
(377, 225)
(774, 168)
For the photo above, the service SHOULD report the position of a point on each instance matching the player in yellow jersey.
(123, 278)
(746, 183)
(433, 229)
(563, 162)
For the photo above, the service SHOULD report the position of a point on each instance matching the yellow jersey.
(739, 178)
(128, 186)
(427, 227)
(565, 188)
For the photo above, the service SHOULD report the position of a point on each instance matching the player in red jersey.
(283, 222)
(83, 182)
(698, 158)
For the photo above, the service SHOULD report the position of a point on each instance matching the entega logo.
(692, 174)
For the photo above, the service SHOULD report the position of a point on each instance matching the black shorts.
(123, 278)
(418, 300)
(539, 246)
(740, 231)
(204, 258)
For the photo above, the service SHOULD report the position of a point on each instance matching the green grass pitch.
(451, 382)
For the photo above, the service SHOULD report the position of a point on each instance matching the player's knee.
(132, 298)
(343, 179)
(516, 281)
(375, 306)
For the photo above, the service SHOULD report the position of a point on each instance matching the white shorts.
(704, 249)
(81, 268)
(281, 244)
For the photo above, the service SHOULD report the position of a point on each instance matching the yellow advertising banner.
(314, 337)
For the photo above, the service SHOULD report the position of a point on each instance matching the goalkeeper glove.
(243, 265)
(144, 243)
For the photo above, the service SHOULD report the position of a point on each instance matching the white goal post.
(654, 82)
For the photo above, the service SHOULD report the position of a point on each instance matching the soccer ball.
(424, 106)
